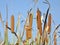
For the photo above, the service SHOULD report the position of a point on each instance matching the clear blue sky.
(22, 6)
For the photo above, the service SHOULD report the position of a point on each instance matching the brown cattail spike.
(39, 24)
(30, 19)
(12, 23)
(29, 27)
(29, 31)
(49, 23)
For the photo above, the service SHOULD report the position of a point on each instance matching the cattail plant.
(39, 24)
(29, 28)
(12, 26)
(49, 23)
(47, 30)
(26, 23)
(30, 20)
(12, 23)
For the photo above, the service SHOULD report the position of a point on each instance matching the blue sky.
(22, 6)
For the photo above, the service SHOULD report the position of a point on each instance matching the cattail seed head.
(39, 24)
(12, 23)
(49, 23)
